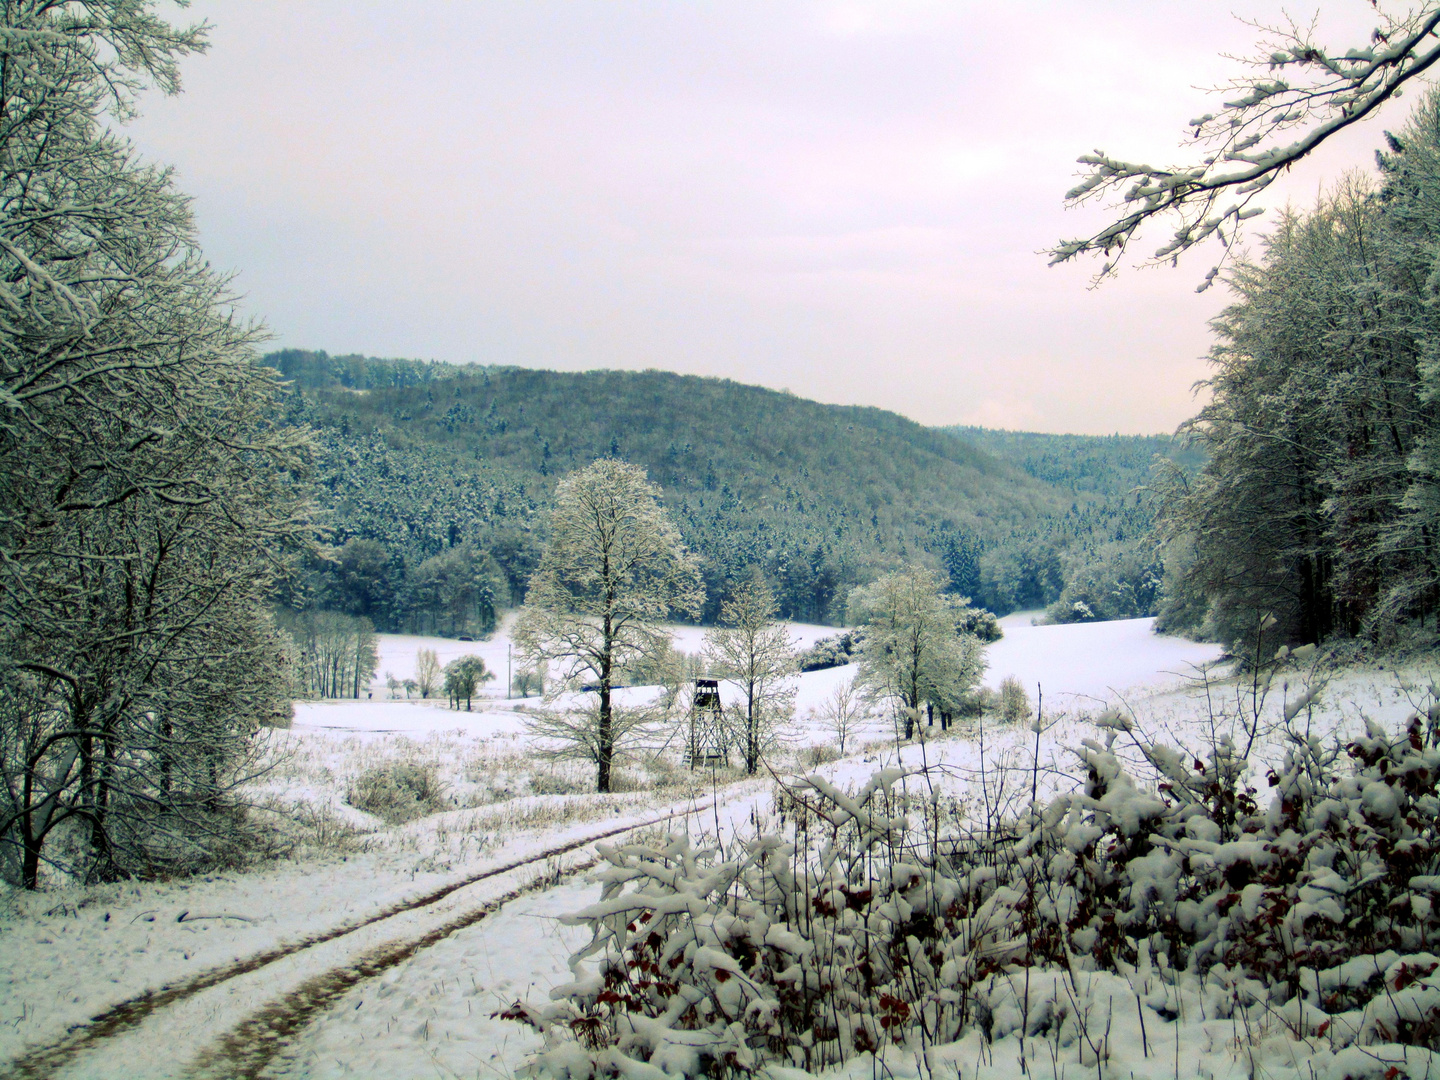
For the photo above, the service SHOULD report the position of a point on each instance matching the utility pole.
(508, 692)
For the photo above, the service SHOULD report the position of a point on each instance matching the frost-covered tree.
(147, 495)
(1315, 508)
(613, 568)
(458, 591)
(844, 712)
(427, 672)
(335, 654)
(463, 678)
(755, 655)
(915, 651)
(1299, 93)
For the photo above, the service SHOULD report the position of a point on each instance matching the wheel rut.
(46, 1061)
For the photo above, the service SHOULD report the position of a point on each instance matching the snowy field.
(343, 960)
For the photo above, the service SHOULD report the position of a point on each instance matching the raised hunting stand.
(707, 745)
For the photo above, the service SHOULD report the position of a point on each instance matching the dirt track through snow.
(97, 1049)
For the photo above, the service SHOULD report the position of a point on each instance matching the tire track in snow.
(46, 1061)
(246, 1051)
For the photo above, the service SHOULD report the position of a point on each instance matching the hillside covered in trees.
(1100, 559)
(434, 478)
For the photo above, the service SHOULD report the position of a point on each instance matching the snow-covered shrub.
(876, 920)
(818, 754)
(804, 951)
(1014, 703)
(397, 791)
(556, 783)
(1326, 895)
(830, 652)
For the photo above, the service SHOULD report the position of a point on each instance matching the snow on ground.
(1092, 660)
(433, 1016)
(73, 951)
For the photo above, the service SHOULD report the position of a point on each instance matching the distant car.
(465, 637)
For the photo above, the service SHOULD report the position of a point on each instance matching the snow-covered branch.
(1299, 95)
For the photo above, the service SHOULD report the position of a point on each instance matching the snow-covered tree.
(463, 678)
(335, 654)
(1316, 505)
(844, 712)
(613, 568)
(1299, 93)
(427, 672)
(755, 655)
(914, 651)
(147, 494)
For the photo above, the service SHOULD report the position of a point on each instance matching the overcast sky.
(842, 199)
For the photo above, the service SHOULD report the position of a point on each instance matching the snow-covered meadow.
(71, 953)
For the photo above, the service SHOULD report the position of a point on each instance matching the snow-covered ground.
(71, 953)
(1092, 660)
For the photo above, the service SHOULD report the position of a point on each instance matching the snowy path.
(192, 1017)
(430, 1014)
(433, 1016)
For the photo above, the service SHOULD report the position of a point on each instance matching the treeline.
(1098, 560)
(1317, 512)
(320, 371)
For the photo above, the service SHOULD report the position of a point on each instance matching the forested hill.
(1105, 465)
(422, 458)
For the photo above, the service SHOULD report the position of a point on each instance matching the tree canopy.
(915, 650)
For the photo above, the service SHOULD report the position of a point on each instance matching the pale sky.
(843, 199)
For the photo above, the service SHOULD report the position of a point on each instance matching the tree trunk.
(30, 864)
(752, 734)
(30, 859)
(605, 733)
(166, 732)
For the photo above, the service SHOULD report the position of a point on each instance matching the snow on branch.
(1298, 96)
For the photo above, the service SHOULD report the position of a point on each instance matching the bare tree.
(336, 653)
(614, 567)
(844, 711)
(574, 732)
(1298, 95)
(754, 654)
(427, 672)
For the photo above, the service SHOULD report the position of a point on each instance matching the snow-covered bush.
(805, 951)
(1014, 704)
(876, 920)
(397, 791)
(830, 652)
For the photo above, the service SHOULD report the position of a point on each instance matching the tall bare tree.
(756, 656)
